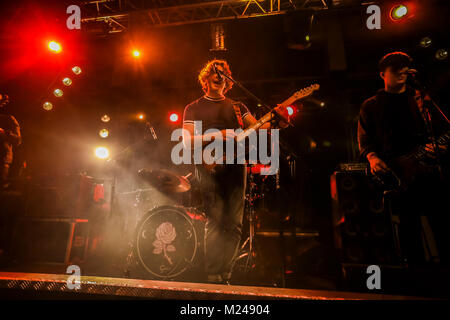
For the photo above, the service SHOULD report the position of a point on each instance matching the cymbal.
(165, 180)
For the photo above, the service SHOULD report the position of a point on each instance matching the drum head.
(166, 242)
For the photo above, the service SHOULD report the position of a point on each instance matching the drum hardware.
(250, 253)
(137, 191)
(166, 242)
(165, 180)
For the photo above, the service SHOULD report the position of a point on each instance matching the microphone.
(217, 72)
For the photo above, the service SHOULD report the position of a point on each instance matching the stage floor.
(92, 287)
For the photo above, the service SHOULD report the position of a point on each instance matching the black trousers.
(223, 198)
(427, 196)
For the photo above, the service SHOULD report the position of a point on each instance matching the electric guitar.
(305, 92)
(418, 162)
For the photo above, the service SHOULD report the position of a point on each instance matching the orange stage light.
(102, 153)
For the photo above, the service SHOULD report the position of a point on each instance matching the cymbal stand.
(250, 253)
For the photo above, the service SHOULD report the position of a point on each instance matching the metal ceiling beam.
(176, 13)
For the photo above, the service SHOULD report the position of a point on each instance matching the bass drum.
(167, 241)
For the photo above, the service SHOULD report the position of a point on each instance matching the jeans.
(223, 195)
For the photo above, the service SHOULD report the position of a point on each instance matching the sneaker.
(226, 276)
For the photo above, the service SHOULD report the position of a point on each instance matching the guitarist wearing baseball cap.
(401, 142)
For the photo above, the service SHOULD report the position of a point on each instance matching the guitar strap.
(237, 111)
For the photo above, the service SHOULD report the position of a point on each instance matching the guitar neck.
(269, 116)
(421, 152)
(266, 118)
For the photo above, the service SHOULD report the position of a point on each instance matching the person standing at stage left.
(9, 139)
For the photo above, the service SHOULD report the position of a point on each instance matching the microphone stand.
(283, 145)
(119, 155)
(125, 225)
(427, 103)
(291, 158)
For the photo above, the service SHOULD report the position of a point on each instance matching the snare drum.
(167, 240)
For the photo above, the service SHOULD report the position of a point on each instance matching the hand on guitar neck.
(377, 166)
(282, 111)
(431, 152)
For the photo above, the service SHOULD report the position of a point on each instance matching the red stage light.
(290, 110)
(54, 46)
(174, 117)
(136, 53)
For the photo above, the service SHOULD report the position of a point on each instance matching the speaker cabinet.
(362, 225)
(59, 196)
(50, 240)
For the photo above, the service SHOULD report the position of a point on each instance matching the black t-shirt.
(218, 115)
(214, 114)
(406, 133)
(391, 125)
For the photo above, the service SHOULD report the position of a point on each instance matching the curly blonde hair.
(208, 68)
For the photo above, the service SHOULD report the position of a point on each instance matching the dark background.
(343, 59)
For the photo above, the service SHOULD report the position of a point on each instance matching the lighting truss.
(119, 15)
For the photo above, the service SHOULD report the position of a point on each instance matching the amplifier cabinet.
(362, 225)
(50, 240)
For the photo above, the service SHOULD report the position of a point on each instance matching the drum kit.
(167, 240)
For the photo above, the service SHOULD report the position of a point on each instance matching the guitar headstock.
(306, 91)
(301, 94)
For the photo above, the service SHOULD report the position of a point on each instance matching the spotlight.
(104, 133)
(76, 70)
(290, 110)
(102, 152)
(47, 106)
(174, 117)
(136, 54)
(298, 29)
(105, 118)
(58, 93)
(441, 54)
(425, 42)
(67, 81)
(315, 101)
(141, 116)
(54, 46)
(398, 12)
(218, 37)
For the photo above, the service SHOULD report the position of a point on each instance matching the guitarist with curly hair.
(222, 190)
